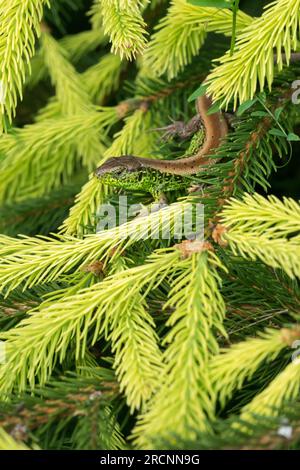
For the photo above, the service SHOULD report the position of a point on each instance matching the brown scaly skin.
(216, 130)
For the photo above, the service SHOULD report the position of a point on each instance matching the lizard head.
(118, 165)
(124, 172)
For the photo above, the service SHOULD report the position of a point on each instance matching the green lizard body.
(151, 180)
(156, 176)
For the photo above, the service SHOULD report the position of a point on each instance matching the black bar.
(134, 459)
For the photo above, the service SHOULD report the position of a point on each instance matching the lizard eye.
(118, 170)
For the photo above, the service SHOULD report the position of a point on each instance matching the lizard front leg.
(181, 129)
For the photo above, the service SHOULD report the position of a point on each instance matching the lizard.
(132, 172)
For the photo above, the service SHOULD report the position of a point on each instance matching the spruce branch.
(83, 215)
(98, 430)
(95, 16)
(182, 32)
(184, 399)
(20, 22)
(70, 90)
(44, 259)
(103, 78)
(38, 215)
(283, 388)
(133, 341)
(124, 24)
(76, 46)
(230, 369)
(264, 215)
(60, 12)
(99, 80)
(82, 317)
(72, 95)
(264, 237)
(277, 253)
(82, 404)
(7, 442)
(261, 433)
(254, 307)
(33, 166)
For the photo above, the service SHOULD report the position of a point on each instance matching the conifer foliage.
(120, 337)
